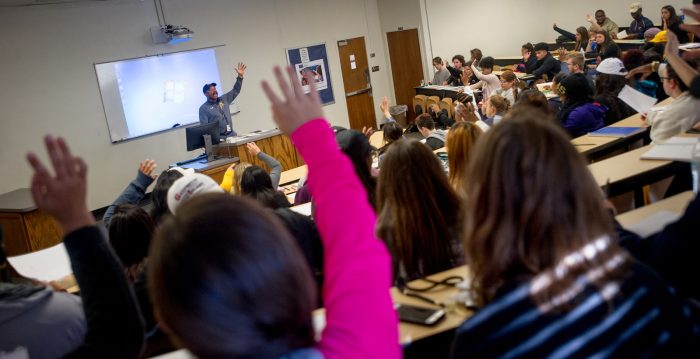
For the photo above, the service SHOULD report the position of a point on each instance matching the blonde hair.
(237, 176)
(460, 141)
(499, 103)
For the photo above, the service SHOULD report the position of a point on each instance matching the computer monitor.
(194, 136)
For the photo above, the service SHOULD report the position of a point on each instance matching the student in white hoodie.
(680, 115)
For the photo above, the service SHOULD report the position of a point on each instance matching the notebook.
(673, 149)
(617, 131)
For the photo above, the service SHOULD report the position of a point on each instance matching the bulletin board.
(313, 60)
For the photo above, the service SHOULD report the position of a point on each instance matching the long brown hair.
(460, 142)
(509, 75)
(417, 210)
(583, 43)
(531, 203)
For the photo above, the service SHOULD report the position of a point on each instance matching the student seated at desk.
(546, 63)
(579, 115)
(488, 81)
(392, 132)
(496, 107)
(228, 281)
(680, 115)
(533, 98)
(159, 195)
(529, 60)
(442, 75)
(356, 146)
(104, 322)
(458, 63)
(510, 85)
(460, 144)
(608, 84)
(639, 23)
(580, 38)
(434, 138)
(602, 22)
(548, 273)
(130, 229)
(418, 217)
(465, 112)
(670, 21)
(605, 46)
(645, 84)
(231, 182)
(555, 103)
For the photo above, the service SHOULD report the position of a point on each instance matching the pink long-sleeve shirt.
(360, 318)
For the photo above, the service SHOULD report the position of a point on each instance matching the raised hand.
(368, 131)
(296, 108)
(671, 43)
(589, 18)
(240, 69)
(63, 194)
(147, 167)
(384, 106)
(252, 148)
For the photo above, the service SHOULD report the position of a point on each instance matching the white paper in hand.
(45, 265)
(637, 100)
(622, 34)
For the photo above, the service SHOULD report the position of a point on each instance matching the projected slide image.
(161, 91)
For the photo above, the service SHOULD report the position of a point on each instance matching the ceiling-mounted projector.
(170, 34)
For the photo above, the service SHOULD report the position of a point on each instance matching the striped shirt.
(645, 319)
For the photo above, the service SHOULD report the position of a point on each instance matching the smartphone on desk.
(419, 315)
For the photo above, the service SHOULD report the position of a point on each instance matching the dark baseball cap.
(207, 86)
(541, 46)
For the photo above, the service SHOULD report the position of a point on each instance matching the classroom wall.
(49, 83)
(500, 27)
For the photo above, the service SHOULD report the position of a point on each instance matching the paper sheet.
(304, 209)
(622, 34)
(670, 152)
(45, 265)
(635, 99)
(654, 223)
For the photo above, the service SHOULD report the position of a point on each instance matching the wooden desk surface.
(377, 139)
(17, 201)
(624, 166)
(293, 175)
(454, 317)
(629, 41)
(597, 146)
(675, 204)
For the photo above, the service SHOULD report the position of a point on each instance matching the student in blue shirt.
(639, 24)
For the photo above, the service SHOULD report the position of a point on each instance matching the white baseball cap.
(612, 66)
(188, 186)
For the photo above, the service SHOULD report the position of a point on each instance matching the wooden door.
(356, 80)
(406, 66)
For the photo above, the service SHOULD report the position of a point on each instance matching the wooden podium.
(26, 228)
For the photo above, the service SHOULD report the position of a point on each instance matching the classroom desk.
(627, 172)
(411, 333)
(293, 175)
(629, 44)
(520, 75)
(507, 60)
(597, 147)
(675, 204)
(26, 228)
(214, 169)
(439, 91)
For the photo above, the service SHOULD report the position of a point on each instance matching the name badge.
(228, 128)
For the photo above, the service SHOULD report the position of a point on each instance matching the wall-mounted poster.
(312, 60)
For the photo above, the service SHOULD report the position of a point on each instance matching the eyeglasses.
(664, 78)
